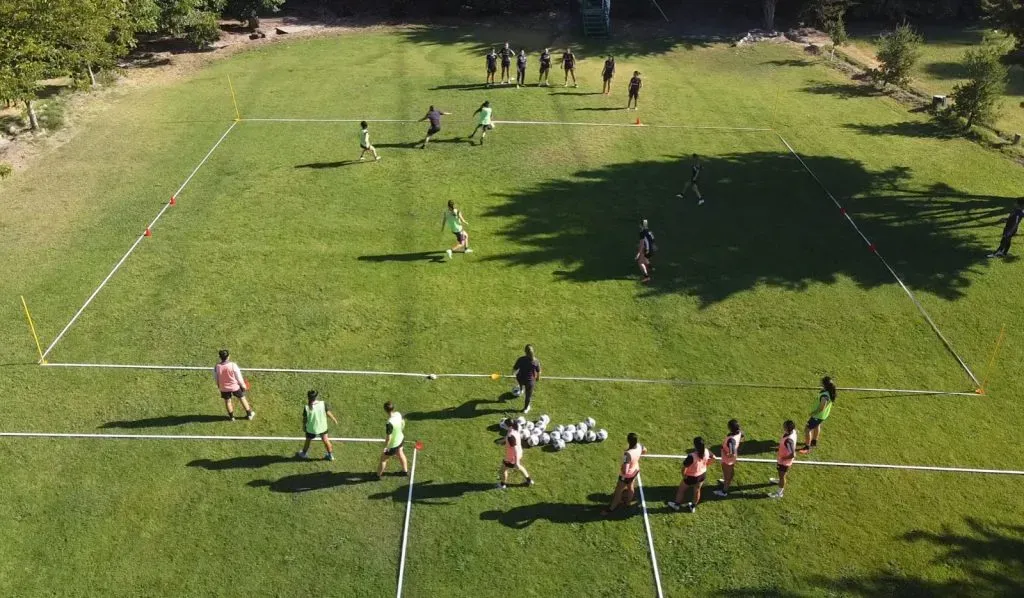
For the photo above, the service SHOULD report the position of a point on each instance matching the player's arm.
(789, 447)
(461, 219)
(538, 371)
(639, 249)
(444, 217)
(388, 431)
(330, 414)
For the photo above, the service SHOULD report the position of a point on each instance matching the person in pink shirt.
(695, 468)
(625, 488)
(513, 456)
(786, 457)
(231, 384)
(730, 452)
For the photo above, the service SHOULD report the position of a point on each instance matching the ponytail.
(829, 387)
(734, 427)
(698, 447)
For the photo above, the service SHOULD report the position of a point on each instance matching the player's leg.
(503, 475)
(529, 397)
(573, 73)
(629, 493)
(249, 413)
(620, 487)
(402, 460)
(465, 243)
(700, 196)
(328, 446)
(696, 495)
(228, 404)
(383, 465)
(305, 447)
(475, 129)
(526, 475)
(373, 150)
(677, 501)
(726, 481)
(686, 188)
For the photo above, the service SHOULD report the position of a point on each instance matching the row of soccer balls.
(536, 434)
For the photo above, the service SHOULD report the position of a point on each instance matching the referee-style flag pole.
(32, 327)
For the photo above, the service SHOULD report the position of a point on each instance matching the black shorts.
(782, 468)
(814, 423)
(528, 385)
(625, 480)
(510, 465)
(433, 131)
(238, 394)
(311, 436)
(492, 69)
(634, 94)
(606, 77)
(545, 69)
(693, 480)
(391, 452)
(460, 237)
(506, 65)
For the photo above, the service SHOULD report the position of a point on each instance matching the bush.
(202, 29)
(5, 170)
(977, 99)
(898, 51)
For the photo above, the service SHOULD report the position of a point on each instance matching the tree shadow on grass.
(247, 462)
(789, 62)
(843, 91)
(946, 70)
(766, 223)
(321, 480)
(991, 556)
(467, 410)
(166, 421)
(929, 129)
(554, 512)
(416, 256)
(431, 493)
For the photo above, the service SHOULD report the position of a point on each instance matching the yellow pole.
(234, 101)
(32, 327)
(992, 360)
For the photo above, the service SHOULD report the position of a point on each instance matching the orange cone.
(148, 234)
(638, 123)
(174, 201)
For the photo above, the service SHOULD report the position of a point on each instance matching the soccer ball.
(529, 425)
(546, 419)
(591, 436)
(590, 422)
(516, 391)
(522, 422)
(558, 444)
(559, 428)
(545, 438)
(540, 426)
(567, 437)
(602, 434)
(580, 435)
(555, 436)
(503, 424)
(581, 427)
(531, 441)
(570, 429)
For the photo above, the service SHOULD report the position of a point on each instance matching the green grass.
(940, 67)
(292, 257)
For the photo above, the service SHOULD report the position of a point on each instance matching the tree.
(898, 51)
(248, 11)
(1006, 15)
(977, 99)
(830, 15)
(768, 10)
(29, 50)
(104, 31)
(195, 20)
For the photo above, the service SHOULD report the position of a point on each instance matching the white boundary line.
(405, 527)
(134, 245)
(874, 250)
(168, 437)
(650, 537)
(557, 378)
(328, 120)
(868, 465)
(510, 122)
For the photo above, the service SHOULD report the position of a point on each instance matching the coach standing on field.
(1009, 230)
(527, 371)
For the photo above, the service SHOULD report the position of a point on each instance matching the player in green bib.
(454, 222)
(314, 423)
(364, 142)
(483, 121)
(393, 441)
(826, 397)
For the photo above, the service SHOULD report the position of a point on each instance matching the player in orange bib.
(785, 458)
(695, 468)
(513, 456)
(730, 451)
(231, 384)
(625, 488)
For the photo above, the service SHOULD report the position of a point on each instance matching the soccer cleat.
(231, 418)
(773, 481)
(691, 508)
(528, 482)
(646, 279)
(679, 195)
(376, 159)
(501, 486)
(468, 250)
(361, 158)
(527, 410)
(721, 493)
(329, 457)
(721, 482)
(674, 505)
(249, 416)
(700, 202)
(449, 252)
(804, 450)
(776, 494)
(301, 455)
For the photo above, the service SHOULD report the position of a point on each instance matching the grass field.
(294, 256)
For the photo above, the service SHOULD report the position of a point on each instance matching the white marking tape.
(557, 378)
(510, 122)
(874, 249)
(132, 248)
(868, 465)
(405, 528)
(169, 437)
(328, 120)
(650, 537)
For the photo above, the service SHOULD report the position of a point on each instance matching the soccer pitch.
(297, 257)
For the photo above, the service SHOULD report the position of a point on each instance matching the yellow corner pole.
(32, 327)
(992, 360)
(234, 100)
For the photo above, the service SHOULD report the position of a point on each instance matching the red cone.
(174, 202)
(148, 234)
(638, 123)
(419, 445)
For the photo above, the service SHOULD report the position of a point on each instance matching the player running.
(492, 67)
(434, 116)
(645, 251)
(521, 69)
(607, 74)
(1009, 230)
(513, 456)
(625, 488)
(453, 219)
(364, 142)
(483, 121)
(506, 64)
(826, 397)
(314, 424)
(231, 384)
(394, 439)
(694, 175)
(785, 457)
(545, 68)
(569, 66)
(635, 84)
(730, 451)
(695, 468)
(527, 372)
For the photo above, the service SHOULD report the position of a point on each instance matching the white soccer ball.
(516, 391)
(555, 436)
(567, 437)
(531, 441)
(522, 422)
(503, 424)
(559, 428)
(590, 422)
(580, 435)
(602, 434)
(540, 426)
(545, 438)
(546, 419)
(591, 436)
(581, 427)
(571, 428)
(529, 426)
(558, 444)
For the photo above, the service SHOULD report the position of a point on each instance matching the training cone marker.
(979, 391)
(638, 123)
(495, 376)
(842, 211)
(173, 201)
(419, 445)
(247, 385)
(147, 233)
(872, 248)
